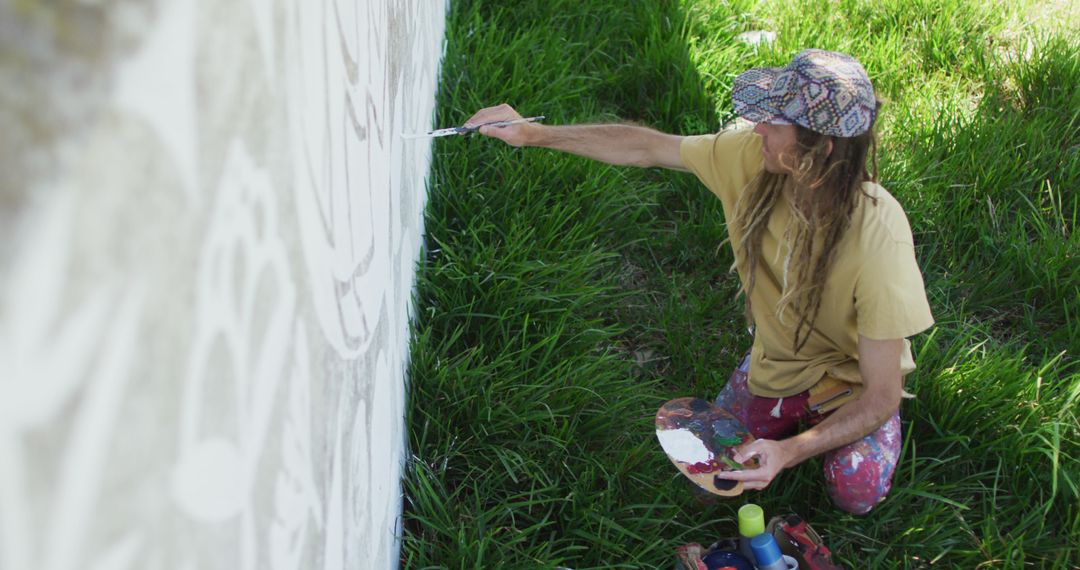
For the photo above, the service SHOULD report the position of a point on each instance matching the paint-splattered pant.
(858, 475)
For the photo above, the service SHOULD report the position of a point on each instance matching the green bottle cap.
(751, 520)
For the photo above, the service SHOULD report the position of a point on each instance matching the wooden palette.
(699, 438)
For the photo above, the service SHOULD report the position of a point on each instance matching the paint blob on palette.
(700, 438)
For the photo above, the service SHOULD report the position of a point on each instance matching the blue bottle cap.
(765, 549)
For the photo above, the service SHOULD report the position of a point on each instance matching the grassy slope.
(562, 301)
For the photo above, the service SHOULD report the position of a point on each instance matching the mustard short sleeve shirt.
(874, 288)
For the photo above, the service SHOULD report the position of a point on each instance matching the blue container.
(767, 553)
(727, 558)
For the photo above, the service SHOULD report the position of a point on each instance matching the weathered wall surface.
(208, 230)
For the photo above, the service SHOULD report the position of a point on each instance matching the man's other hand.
(772, 457)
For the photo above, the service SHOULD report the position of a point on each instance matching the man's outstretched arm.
(613, 143)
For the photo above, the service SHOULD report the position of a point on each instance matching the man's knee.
(859, 475)
(856, 484)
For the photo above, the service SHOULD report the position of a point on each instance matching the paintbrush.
(472, 129)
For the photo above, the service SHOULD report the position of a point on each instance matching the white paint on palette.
(682, 445)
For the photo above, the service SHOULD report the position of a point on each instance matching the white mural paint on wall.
(245, 312)
(350, 141)
(297, 504)
(36, 388)
(156, 84)
(204, 318)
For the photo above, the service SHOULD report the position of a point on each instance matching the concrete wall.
(208, 230)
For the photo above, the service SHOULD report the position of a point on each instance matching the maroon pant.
(858, 475)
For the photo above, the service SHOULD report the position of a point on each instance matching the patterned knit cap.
(824, 91)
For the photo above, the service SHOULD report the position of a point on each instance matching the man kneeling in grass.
(824, 256)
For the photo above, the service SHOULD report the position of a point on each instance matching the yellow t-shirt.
(874, 287)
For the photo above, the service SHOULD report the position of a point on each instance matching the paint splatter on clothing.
(858, 475)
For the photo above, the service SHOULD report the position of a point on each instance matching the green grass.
(561, 301)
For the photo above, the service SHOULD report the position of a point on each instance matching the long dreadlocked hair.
(825, 188)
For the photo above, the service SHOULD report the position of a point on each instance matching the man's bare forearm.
(610, 143)
(613, 143)
(847, 424)
(879, 365)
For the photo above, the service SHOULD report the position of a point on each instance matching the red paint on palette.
(719, 433)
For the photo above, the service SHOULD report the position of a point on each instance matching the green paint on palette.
(732, 463)
(728, 441)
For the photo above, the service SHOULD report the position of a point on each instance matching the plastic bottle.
(767, 554)
(751, 524)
